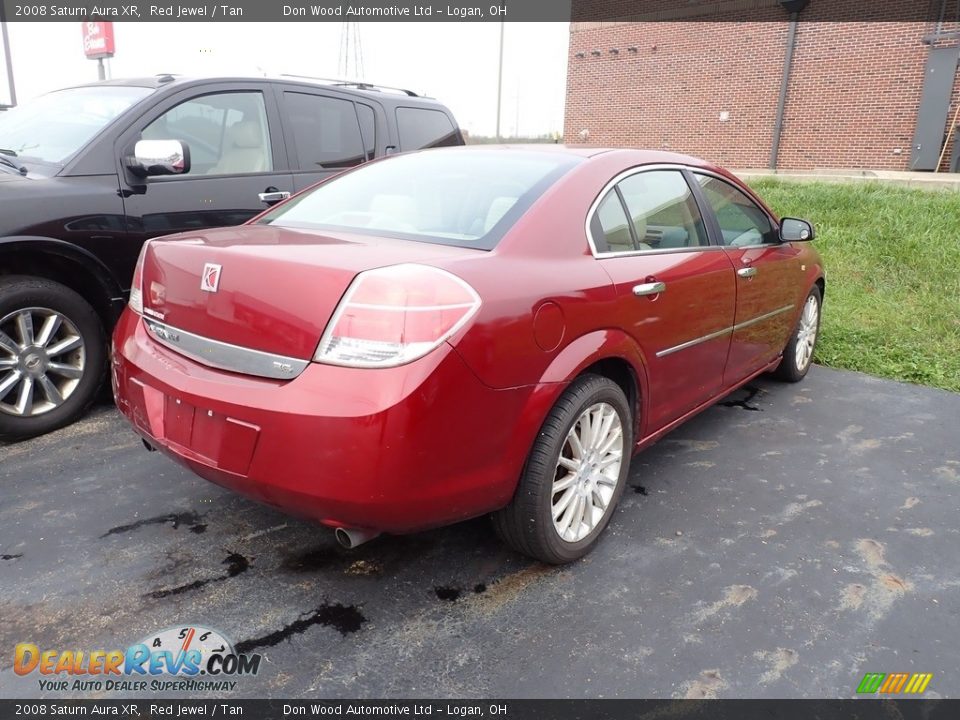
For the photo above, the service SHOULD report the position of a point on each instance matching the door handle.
(653, 288)
(274, 196)
(747, 272)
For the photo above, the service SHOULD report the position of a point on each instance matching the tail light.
(394, 315)
(136, 286)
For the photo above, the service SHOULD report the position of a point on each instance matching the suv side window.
(368, 125)
(227, 133)
(742, 221)
(421, 128)
(326, 131)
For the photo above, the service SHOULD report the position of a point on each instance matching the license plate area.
(201, 434)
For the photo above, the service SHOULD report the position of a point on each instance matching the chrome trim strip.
(658, 251)
(225, 356)
(696, 341)
(720, 333)
(753, 321)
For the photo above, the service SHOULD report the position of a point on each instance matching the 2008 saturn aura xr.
(448, 333)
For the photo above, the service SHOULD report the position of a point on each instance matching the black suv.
(87, 174)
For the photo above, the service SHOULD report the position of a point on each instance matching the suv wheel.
(52, 356)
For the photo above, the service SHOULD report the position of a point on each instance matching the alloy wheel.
(587, 472)
(42, 359)
(807, 333)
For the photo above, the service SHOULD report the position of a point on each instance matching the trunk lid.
(263, 287)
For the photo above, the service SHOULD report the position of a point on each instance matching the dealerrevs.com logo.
(176, 659)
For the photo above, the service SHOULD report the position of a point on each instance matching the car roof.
(360, 89)
(630, 156)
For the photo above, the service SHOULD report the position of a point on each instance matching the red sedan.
(449, 333)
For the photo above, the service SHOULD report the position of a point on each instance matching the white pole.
(500, 80)
(6, 55)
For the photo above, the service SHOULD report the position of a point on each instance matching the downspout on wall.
(794, 7)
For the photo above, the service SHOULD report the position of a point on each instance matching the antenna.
(351, 51)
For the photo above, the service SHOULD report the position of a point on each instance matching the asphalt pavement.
(782, 544)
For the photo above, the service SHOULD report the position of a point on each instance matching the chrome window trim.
(725, 331)
(224, 356)
(636, 171)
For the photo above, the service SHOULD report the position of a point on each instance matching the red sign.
(98, 39)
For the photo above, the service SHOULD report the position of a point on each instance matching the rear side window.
(651, 210)
(610, 226)
(421, 129)
(662, 210)
(368, 125)
(326, 131)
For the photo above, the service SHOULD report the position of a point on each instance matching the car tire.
(798, 354)
(65, 363)
(548, 480)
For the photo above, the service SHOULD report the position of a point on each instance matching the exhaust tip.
(350, 538)
(148, 446)
(343, 537)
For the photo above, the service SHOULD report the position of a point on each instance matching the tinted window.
(425, 129)
(662, 210)
(227, 133)
(453, 197)
(325, 131)
(368, 125)
(742, 221)
(610, 227)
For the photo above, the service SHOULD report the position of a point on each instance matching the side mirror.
(795, 230)
(160, 157)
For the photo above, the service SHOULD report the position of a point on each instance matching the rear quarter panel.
(543, 260)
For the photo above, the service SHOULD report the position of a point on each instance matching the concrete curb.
(926, 181)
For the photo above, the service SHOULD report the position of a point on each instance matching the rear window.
(325, 131)
(420, 129)
(463, 198)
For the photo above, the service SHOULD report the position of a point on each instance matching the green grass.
(892, 258)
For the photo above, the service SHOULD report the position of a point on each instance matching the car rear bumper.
(393, 450)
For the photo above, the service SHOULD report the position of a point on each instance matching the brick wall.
(852, 102)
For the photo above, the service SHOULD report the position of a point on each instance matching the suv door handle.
(747, 272)
(273, 196)
(653, 288)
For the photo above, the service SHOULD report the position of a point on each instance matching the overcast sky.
(454, 62)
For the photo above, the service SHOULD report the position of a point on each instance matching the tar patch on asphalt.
(744, 403)
(450, 593)
(236, 564)
(190, 519)
(345, 619)
(314, 560)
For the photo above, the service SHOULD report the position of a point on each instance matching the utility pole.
(6, 55)
(500, 80)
